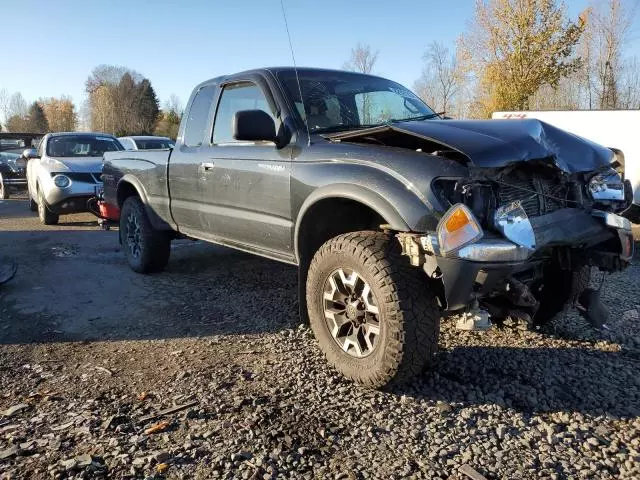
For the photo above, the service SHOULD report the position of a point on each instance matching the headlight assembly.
(61, 181)
(606, 186)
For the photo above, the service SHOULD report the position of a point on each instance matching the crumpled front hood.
(74, 164)
(497, 143)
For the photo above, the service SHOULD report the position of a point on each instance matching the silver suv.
(65, 172)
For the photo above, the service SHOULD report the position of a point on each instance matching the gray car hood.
(498, 143)
(78, 164)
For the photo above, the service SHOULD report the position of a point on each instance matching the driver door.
(245, 185)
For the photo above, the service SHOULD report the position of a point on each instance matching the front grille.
(538, 195)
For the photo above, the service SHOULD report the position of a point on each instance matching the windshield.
(153, 143)
(7, 156)
(81, 146)
(335, 101)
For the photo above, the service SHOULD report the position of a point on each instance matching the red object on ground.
(109, 212)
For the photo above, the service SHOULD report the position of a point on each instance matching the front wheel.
(373, 314)
(47, 217)
(4, 191)
(146, 249)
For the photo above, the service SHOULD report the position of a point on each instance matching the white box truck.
(618, 129)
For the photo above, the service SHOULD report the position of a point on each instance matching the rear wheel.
(373, 314)
(146, 249)
(47, 217)
(4, 190)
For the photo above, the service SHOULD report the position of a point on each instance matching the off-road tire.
(560, 290)
(47, 217)
(4, 190)
(154, 246)
(409, 315)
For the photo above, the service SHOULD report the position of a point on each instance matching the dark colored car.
(13, 164)
(395, 216)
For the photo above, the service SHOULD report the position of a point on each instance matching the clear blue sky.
(177, 44)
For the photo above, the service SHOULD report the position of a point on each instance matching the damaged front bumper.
(600, 239)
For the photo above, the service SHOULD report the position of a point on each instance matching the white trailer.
(610, 128)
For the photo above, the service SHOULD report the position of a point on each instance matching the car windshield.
(6, 156)
(335, 101)
(153, 143)
(81, 146)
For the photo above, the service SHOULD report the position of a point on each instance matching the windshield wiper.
(428, 116)
(340, 128)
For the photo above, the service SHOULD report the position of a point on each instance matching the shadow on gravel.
(534, 380)
(76, 286)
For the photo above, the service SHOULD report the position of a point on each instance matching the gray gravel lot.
(91, 353)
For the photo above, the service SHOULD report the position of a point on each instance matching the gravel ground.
(91, 354)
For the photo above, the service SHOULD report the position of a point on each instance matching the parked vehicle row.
(394, 215)
(12, 162)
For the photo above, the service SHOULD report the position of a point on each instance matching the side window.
(237, 97)
(198, 116)
(41, 147)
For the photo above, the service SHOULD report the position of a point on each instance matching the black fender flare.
(358, 193)
(155, 220)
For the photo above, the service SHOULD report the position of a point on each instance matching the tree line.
(44, 115)
(529, 55)
(119, 101)
(514, 55)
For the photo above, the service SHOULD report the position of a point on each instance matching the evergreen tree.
(36, 119)
(147, 107)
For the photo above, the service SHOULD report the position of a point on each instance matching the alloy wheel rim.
(351, 313)
(134, 235)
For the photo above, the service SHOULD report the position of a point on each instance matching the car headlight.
(61, 181)
(606, 186)
(457, 228)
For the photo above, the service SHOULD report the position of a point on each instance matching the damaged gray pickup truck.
(395, 216)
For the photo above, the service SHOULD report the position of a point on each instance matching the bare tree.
(362, 59)
(629, 84)
(609, 26)
(18, 105)
(4, 104)
(442, 78)
(173, 103)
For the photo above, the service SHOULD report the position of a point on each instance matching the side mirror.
(30, 153)
(254, 126)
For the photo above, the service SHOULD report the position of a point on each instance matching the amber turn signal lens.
(457, 220)
(458, 227)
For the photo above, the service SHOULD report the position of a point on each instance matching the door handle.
(207, 166)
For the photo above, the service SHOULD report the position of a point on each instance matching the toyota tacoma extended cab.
(395, 216)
